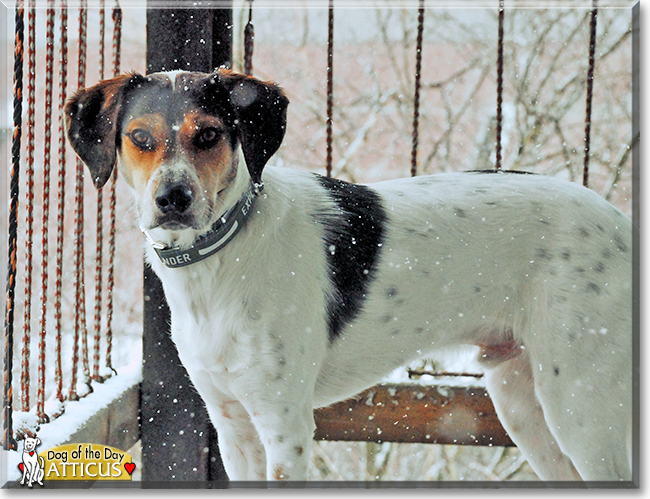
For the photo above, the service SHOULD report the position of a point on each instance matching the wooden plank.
(117, 424)
(408, 413)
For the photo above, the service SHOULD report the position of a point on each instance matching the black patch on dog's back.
(353, 237)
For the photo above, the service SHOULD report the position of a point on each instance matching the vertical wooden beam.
(178, 441)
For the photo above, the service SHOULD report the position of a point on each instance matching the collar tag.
(221, 233)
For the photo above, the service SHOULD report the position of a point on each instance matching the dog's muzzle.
(176, 198)
(174, 202)
(221, 233)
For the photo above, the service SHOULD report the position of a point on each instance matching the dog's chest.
(209, 344)
(208, 323)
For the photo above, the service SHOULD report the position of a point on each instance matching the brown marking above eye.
(201, 131)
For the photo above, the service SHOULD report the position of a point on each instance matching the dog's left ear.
(261, 112)
(38, 441)
(91, 117)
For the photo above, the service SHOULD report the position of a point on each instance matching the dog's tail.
(40, 459)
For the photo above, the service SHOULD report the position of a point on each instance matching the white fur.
(250, 321)
(171, 76)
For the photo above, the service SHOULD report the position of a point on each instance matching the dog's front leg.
(262, 439)
(286, 430)
(279, 395)
(30, 475)
(241, 451)
(267, 434)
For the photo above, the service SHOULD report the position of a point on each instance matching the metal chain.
(8, 441)
(45, 245)
(99, 235)
(29, 204)
(499, 87)
(590, 91)
(80, 330)
(416, 95)
(83, 42)
(110, 278)
(63, 84)
(330, 86)
(249, 41)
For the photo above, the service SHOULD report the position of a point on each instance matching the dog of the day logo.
(80, 462)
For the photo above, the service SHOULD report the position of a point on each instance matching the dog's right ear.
(91, 117)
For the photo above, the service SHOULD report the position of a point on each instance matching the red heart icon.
(21, 467)
(129, 467)
(31, 453)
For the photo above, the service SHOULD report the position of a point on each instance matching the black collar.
(221, 233)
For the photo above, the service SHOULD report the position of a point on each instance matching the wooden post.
(178, 441)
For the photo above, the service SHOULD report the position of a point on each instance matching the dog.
(33, 465)
(289, 290)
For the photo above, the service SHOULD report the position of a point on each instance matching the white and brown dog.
(311, 289)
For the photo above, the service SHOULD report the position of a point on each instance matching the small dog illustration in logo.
(32, 468)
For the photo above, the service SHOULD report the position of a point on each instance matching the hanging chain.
(8, 441)
(590, 91)
(99, 234)
(330, 86)
(110, 278)
(249, 41)
(45, 245)
(79, 277)
(29, 205)
(499, 87)
(63, 84)
(416, 94)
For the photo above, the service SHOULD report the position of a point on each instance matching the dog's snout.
(174, 199)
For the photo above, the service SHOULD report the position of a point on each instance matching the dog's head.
(175, 137)
(31, 443)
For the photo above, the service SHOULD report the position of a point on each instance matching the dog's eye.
(141, 138)
(207, 138)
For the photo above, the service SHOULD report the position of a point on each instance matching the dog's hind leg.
(587, 403)
(511, 388)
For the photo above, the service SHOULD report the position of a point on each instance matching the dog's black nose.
(175, 198)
